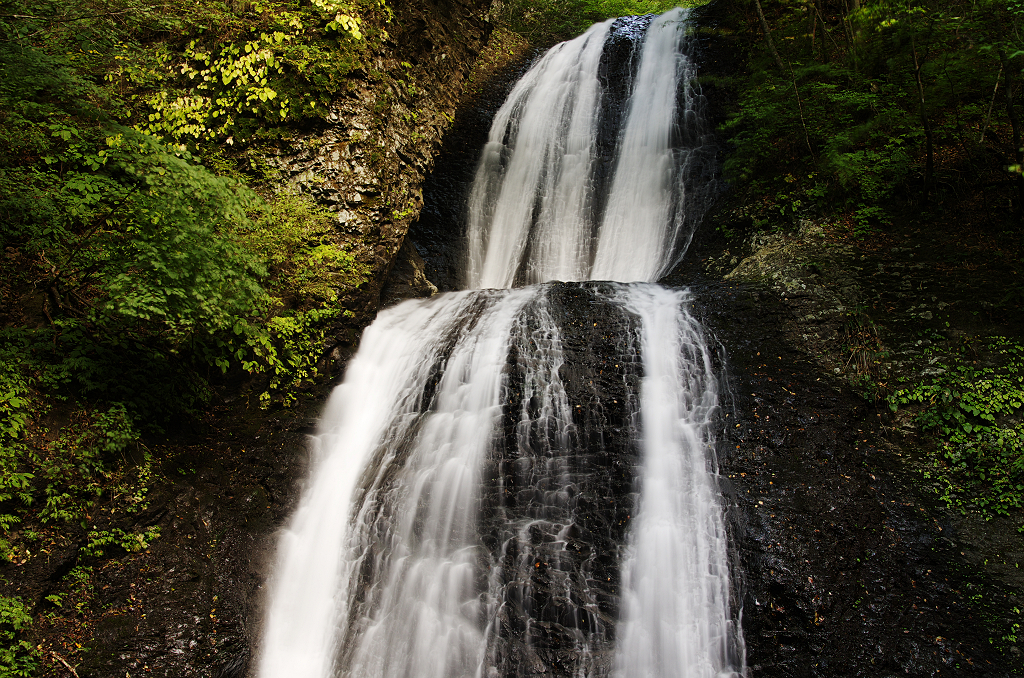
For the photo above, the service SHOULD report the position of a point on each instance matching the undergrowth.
(973, 403)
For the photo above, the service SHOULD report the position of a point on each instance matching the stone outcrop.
(369, 162)
(408, 278)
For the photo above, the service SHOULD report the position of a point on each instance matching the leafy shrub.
(17, 656)
(972, 403)
(306, 267)
(77, 467)
(286, 66)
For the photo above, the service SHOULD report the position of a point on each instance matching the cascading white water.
(407, 524)
(675, 620)
(472, 508)
(533, 214)
(642, 223)
(540, 150)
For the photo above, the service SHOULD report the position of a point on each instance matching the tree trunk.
(1011, 112)
(850, 39)
(929, 168)
(825, 35)
(813, 15)
(768, 36)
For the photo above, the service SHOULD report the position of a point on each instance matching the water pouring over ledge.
(560, 196)
(517, 481)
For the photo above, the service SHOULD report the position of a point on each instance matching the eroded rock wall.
(369, 162)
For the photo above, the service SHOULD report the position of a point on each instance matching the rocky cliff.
(369, 163)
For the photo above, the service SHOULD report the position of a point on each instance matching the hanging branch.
(768, 36)
(929, 170)
(991, 105)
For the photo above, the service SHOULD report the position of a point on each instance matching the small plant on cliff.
(306, 269)
(973, 404)
(17, 656)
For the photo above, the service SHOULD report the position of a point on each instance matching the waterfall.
(522, 480)
(540, 150)
(675, 618)
(537, 210)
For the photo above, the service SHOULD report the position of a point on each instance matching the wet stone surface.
(845, 567)
(190, 604)
(558, 499)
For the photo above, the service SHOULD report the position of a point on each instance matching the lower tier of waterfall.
(511, 482)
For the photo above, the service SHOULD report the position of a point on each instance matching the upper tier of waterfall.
(597, 166)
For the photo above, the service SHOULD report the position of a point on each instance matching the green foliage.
(137, 251)
(849, 137)
(285, 67)
(128, 541)
(17, 656)
(137, 265)
(972, 404)
(78, 591)
(306, 267)
(15, 412)
(889, 104)
(152, 267)
(296, 244)
(195, 71)
(78, 466)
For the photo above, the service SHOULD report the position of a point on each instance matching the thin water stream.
(522, 479)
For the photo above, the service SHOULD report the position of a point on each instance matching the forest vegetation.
(147, 255)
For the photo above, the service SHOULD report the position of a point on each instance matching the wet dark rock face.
(190, 604)
(408, 279)
(557, 508)
(844, 568)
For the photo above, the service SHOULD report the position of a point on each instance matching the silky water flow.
(520, 478)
